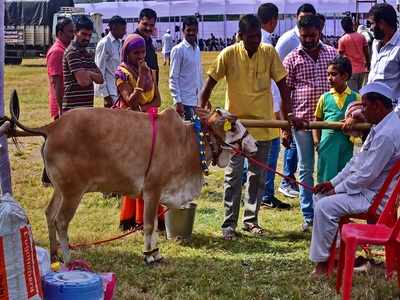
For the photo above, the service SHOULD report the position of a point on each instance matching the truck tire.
(13, 60)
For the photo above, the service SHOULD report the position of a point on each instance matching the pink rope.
(266, 167)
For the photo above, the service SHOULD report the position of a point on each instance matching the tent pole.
(225, 29)
(5, 170)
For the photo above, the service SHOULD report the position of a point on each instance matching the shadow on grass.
(182, 275)
(245, 244)
(206, 210)
(34, 65)
(212, 195)
(204, 277)
(290, 236)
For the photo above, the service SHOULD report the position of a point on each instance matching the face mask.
(378, 33)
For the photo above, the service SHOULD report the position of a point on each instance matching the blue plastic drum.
(73, 285)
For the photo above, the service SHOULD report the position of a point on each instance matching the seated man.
(353, 189)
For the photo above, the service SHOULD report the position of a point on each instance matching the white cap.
(377, 87)
(168, 31)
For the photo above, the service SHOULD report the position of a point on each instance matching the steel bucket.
(179, 222)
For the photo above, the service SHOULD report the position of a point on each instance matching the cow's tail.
(14, 111)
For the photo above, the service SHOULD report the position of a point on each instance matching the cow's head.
(226, 132)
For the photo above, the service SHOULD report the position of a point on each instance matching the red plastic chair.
(371, 216)
(384, 233)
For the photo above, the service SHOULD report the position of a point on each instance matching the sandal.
(254, 229)
(229, 235)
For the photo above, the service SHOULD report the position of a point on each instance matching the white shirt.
(368, 169)
(385, 65)
(107, 59)
(286, 43)
(266, 38)
(289, 41)
(166, 43)
(185, 74)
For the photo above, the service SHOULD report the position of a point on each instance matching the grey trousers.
(327, 212)
(356, 81)
(254, 188)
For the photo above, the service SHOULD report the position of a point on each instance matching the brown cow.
(104, 150)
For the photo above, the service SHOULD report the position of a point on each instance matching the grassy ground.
(273, 267)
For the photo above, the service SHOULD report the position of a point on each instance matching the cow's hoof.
(149, 260)
(152, 257)
(157, 256)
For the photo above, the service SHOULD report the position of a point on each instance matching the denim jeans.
(188, 112)
(245, 169)
(289, 164)
(271, 160)
(305, 150)
(254, 188)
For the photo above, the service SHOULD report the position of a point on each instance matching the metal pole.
(5, 170)
(225, 26)
(202, 26)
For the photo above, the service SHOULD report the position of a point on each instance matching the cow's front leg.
(151, 252)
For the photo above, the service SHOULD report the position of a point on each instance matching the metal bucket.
(179, 222)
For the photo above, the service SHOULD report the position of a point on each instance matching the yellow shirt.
(340, 99)
(146, 97)
(248, 93)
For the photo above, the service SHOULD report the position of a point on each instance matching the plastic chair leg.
(349, 258)
(397, 263)
(339, 273)
(390, 259)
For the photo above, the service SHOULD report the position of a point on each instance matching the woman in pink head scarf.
(134, 79)
(137, 91)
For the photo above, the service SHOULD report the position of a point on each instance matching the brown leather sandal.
(254, 229)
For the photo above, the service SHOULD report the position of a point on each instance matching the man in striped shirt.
(80, 70)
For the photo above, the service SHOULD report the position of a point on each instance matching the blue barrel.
(73, 285)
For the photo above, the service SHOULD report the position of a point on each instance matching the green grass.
(273, 267)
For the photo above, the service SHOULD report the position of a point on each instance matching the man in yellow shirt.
(248, 67)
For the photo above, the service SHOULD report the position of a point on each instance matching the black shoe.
(274, 202)
(307, 226)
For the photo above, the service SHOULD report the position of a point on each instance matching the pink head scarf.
(132, 42)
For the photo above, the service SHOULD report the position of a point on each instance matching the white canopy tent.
(220, 16)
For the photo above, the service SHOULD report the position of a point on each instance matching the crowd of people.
(301, 79)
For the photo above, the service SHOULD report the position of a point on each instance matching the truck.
(30, 26)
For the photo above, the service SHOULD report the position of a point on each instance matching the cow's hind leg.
(51, 213)
(65, 214)
(151, 252)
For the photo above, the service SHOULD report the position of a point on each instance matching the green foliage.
(273, 267)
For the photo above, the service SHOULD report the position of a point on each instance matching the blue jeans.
(289, 164)
(271, 160)
(305, 150)
(188, 112)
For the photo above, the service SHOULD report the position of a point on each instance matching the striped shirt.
(76, 58)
